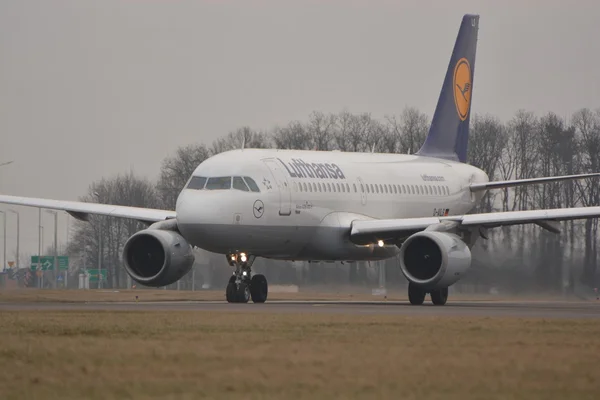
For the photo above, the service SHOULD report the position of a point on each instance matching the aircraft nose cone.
(185, 209)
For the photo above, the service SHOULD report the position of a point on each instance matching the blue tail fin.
(449, 132)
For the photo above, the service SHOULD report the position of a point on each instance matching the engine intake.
(156, 257)
(434, 260)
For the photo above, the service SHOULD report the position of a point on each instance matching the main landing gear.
(416, 295)
(242, 285)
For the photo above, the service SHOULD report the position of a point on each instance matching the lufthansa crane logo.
(258, 209)
(462, 88)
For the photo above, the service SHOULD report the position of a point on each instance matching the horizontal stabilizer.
(475, 187)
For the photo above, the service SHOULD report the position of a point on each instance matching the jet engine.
(434, 260)
(155, 257)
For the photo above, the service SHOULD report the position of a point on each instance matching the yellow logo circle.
(462, 88)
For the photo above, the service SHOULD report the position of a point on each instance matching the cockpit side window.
(197, 182)
(239, 184)
(219, 183)
(251, 184)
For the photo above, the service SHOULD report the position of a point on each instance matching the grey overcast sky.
(93, 88)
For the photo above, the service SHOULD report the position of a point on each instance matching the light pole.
(55, 245)
(18, 236)
(99, 244)
(41, 244)
(4, 245)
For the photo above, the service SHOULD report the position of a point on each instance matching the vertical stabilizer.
(449, 132)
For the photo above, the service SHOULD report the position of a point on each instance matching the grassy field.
(340, 294)
(191, 355)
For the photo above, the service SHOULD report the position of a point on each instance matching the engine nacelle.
(434, 260)
(155, 257)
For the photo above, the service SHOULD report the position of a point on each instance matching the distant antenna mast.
(243, 142)
(373, 148)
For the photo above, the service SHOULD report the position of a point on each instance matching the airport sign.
(47, 263)
(95, 273)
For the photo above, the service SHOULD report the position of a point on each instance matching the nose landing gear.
(242, 285)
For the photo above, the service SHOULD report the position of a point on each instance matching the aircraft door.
(285, 190)
(361, 190)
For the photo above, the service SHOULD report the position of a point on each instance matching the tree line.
(526, 146)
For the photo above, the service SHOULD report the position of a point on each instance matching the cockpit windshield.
(239, 184)
(251, 184)
(245, 183)
(197, 182)
(218, 183)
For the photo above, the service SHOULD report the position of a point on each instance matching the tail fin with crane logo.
(449, 131)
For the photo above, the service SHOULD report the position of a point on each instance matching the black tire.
(416, 294)
(230, 290)
(439, 297)
(259, 289)
(242, 292)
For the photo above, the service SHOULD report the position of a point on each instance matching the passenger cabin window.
(197, 183)
(219, 183)
(251, 184)
(239, 184)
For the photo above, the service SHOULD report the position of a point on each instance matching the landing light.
(233, 257)
(380, 243)
(243, 257)
(244, 273)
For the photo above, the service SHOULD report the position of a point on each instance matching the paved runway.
(589, 309)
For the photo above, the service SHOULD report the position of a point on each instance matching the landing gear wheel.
(259, 288)
(416, 294)
(439, 297)
(230, 290)
(242, 293)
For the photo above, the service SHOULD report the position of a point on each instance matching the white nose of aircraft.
(201, 207)
(206, 218)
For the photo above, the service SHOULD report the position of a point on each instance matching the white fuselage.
(308, 200)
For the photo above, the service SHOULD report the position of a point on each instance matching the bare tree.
(241, 138)
(342, 133)
(487, 140)
(321, 129)
(105, 237)
(411, 128)
(587, 126)
(292, 137)
(176, 170)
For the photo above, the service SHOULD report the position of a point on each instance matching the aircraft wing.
(475, 187)
(369, 231)
(82, 210)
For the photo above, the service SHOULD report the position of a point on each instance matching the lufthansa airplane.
(332, 206)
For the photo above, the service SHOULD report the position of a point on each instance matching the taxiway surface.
(589, 309)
